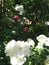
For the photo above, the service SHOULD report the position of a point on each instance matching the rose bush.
(31, 14)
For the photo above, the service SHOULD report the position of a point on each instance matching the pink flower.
(16, 17)
(25, 29)
(27, 21)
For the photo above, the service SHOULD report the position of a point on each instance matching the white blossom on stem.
(19, 8)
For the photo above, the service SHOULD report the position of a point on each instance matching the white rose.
(18, 50)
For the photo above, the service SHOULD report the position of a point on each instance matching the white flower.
(10, 47)
(30, 42)
(18, 50)
(41, 38)
(22, 48)
(47, 42)
(19, 8)
(39, 45)
(17, 60)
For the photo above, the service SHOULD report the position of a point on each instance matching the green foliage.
(35, 10)
(37, 57)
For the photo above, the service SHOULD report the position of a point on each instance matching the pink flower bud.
(16, 17)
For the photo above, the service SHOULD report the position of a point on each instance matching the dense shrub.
(36, 11)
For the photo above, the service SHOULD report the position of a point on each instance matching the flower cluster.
(43, 40)
(22, 20)
(19, 50)
(25, 23)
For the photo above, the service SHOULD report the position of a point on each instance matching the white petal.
(19, 7)
(21, 12)
(14, 60)
(21, 61)
(40, 45)
(17, 60)
(10, 47)
(23, 48)
(30, 42)
(10, 44)
(41, 38)
(47, 42)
